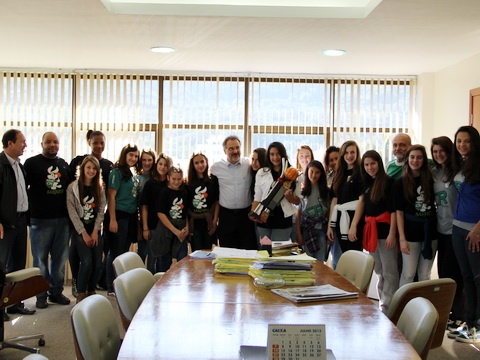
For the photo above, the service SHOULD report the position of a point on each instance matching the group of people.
(402, 213)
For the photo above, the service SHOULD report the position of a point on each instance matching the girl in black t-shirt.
(86, 205)
(379, 234)
(346, 191)
(172, 229)
(202, 203)
(150, 196)
(416, 216)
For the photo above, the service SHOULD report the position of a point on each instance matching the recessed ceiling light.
(333, 52)
(162, 49)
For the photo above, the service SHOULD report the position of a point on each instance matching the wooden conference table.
(193, 313)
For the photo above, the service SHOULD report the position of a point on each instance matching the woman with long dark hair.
(446, 200)
(466, 224)
(151, 193)
(416, 216)
(278, 226)
(379, 234)
(312, 213)
(347, 189)
(122, 207)
(202, 203)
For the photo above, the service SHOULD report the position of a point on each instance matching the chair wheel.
(41, 342)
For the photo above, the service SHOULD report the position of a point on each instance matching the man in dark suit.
(13, 209)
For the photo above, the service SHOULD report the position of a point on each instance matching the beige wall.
(443, 99)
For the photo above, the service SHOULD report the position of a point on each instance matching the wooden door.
(475, 108)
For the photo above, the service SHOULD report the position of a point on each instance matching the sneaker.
(111, 293)
(469, 336)
(74, 287)
(59, 299)
(454, 333)
(453, 325)
(41, 303)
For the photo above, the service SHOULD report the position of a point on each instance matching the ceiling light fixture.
(162, 49)
(334, 52)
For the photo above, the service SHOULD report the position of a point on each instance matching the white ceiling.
(399, 37)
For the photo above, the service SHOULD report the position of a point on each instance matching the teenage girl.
(313, 211)
(379, 234)
(147, 163)
(446, 200)
(202, 203)
(86, 205)
(96, 141)
(466, 224)
(170, 242)
(416, 216)
(347, 189)
(122, 207)
(151, 193)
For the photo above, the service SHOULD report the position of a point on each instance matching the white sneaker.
(454, 333)
(469, 336)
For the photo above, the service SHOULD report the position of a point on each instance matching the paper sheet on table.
(222, 252)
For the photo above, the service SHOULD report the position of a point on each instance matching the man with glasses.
(235, 230)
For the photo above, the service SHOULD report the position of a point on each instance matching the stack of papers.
(315, 293)
(284, 248)
(236, 261)
(294, 270)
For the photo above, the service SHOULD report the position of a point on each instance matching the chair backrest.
(440, 292)
(130, 290)
(95, 330)
(418, 323)
(357, 267)
(127, 261)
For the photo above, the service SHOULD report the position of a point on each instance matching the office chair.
(418, 322)
(357, 267)
(130, 290)
(20, 285)
(440, 292)
(130, 260)
(95, 330)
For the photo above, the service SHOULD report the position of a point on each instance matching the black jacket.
(8, 192)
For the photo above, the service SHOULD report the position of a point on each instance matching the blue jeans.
(336, 251)
(50, 237)
(119, 243)
(90, 263)
(469, 263)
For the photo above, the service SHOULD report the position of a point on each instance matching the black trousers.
(235, 229)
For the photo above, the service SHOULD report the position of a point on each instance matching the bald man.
(400, 144)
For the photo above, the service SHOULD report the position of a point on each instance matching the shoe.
(454, 333)
(59, 299)
(41, 303)
(81, 296)
(453, 325)
(469, 336)
(5, 316)
(20, 309)
(74, 288)
(111, 293)
(93, 292)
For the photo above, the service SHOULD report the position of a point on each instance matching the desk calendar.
(296, 342)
